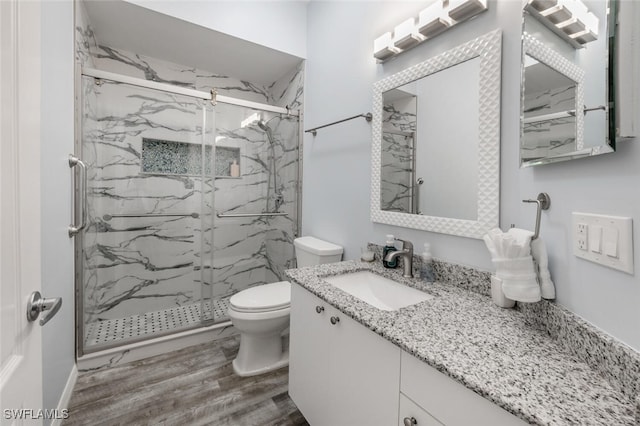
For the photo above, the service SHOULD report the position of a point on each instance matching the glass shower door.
(149, 200)
(256, 204)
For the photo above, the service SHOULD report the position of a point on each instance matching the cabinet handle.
(410, 421)
(319, 309)
(335, 320)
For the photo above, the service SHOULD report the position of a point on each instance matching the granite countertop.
(490, 350)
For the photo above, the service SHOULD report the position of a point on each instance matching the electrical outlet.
(582, 244)
(582, 228)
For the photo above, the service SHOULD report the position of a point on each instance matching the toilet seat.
(262, 298)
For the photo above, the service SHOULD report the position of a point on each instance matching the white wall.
(280, 25)
(340, 71)
(57, 143)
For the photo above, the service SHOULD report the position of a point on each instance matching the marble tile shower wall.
(85, 38)
(398, 130)
(143, 264)
(550, 137)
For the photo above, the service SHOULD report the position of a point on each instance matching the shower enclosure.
(184, 201)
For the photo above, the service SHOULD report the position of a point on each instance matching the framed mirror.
(436, 142)
(567, 98)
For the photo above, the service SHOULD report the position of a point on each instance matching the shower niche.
(228, 164)
(162, 157)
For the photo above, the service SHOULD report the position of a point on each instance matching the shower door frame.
(79, 209)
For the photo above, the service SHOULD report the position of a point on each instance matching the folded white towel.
(541, 261)
(521, 263)
(519, 279)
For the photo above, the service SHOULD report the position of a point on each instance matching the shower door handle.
(74, 229)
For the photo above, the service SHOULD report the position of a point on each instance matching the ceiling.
(125, 26)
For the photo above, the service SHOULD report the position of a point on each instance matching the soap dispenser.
(388, 248)
(426, 265)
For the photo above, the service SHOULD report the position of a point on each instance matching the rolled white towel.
(519, 279)
(541, 260)
(522, 245)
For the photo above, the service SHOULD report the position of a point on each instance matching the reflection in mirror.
(398, 151)
(558, 54)
(549, 124)
(436, 142)
(417, 175)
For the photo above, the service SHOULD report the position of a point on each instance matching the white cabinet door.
(365, 375)
(342, 373)
(309, 355)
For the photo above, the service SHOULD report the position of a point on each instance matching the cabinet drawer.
(409, 409)
(447, 400)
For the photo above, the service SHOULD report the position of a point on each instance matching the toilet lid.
(267, 297)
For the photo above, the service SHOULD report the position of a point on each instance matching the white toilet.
(261, 313)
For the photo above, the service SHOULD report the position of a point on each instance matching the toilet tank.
(313, 251)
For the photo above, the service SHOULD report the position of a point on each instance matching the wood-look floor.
(192, 386)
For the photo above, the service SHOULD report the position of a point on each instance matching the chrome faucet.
(406, 254)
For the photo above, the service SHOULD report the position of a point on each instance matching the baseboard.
(63, 403)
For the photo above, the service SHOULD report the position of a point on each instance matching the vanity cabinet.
(429, 395)
(340, 373)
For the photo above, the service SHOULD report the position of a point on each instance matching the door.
(20, 340)
(145, 250)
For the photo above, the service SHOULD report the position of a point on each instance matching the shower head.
(265, 127)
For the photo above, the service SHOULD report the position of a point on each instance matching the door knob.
(39, 304)
(334, 320)
(319, 309)
(410, 421)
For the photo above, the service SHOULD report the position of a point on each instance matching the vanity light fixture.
(383, 47)
(590, 33)
(570, 19)
(460, 10)
(438, 17)
(433, 20)
(406, 35)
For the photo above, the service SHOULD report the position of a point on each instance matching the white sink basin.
(377, 290)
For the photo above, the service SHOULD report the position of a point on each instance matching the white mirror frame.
(489, 49)
(539, 51)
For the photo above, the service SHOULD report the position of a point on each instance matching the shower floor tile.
(150, 323)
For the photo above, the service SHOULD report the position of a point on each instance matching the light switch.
(611, 242)
(606, 240)
(595, 238)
